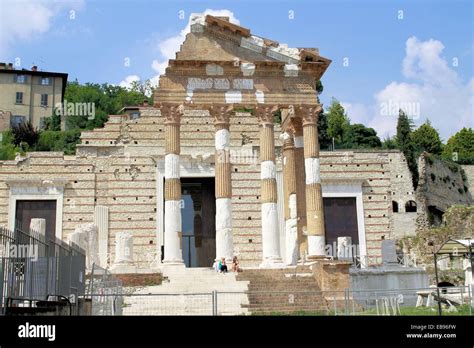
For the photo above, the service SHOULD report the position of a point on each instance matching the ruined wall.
(79, 192)
(441, 185)
(402, 192)
(469, 170)
(115, 166)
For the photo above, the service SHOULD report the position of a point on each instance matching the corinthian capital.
(308, 113)
(221, 113)
(172, 112)
(265, 113)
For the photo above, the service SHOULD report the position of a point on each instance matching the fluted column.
(270, 230)
(173, 224)
(300, 185)
(314, 198)
(290, 200)
(224, 240)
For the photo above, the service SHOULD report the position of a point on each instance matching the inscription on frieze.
(219, 83)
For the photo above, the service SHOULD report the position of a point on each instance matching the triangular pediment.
(223, 62)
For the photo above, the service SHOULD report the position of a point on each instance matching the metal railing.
(33, 266)
(360, 261)
(422, 301)
(106, 288)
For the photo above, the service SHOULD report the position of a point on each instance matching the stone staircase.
(189, 291)
(283, 291)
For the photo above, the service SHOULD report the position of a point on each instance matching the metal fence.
(106, 288)
(453, 300)
(33, 267)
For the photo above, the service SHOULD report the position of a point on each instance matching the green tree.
(360, 136)
(389, 143)
(405, 144)
(338, 122)
(404, 129)
(7, 148)
(319, 87)
(107, 100)
(461, 143)
(59, 141)
(323, 136)
(426, 138)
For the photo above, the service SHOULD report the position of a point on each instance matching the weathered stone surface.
(86, 237)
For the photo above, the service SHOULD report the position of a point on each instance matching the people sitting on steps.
(222, 266)
(235, 265)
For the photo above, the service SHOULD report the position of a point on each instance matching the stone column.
(223, 191)
(173, 230)
(314, 198)
(38, 225)
(101, 220)
(290, 200)
(124, 262)
(300, 184)
(270, 230)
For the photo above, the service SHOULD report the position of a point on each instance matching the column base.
(316, 257)
(123, 268)
(316, 247)
(273, 263)
(173, 262)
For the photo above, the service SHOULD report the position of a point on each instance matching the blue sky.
(422, 56)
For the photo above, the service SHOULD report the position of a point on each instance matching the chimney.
(34, 68)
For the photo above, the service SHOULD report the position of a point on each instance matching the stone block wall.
(115, 166)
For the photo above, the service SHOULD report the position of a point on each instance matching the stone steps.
(188, 291)
(284, 290)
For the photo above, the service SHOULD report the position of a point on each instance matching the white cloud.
(436, 92)
(357, 112)
(127, 82)
(24, 20)
(169, 46)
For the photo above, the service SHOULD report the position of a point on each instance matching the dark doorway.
(42, 209)
(198, 221)
(340, 219)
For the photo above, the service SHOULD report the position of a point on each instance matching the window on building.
(135, 115)
(16, 120)
(410, 207)
(45, 81)
(20, 78)
(44, 100)
(19, 98)
(394, 206)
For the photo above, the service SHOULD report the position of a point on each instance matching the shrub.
(8, 151)
(59, 141)
(25, 133)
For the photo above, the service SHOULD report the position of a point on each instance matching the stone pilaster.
(270, 230)
(173, 226)
(290, 200)
(314, 199)
(224, 240)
